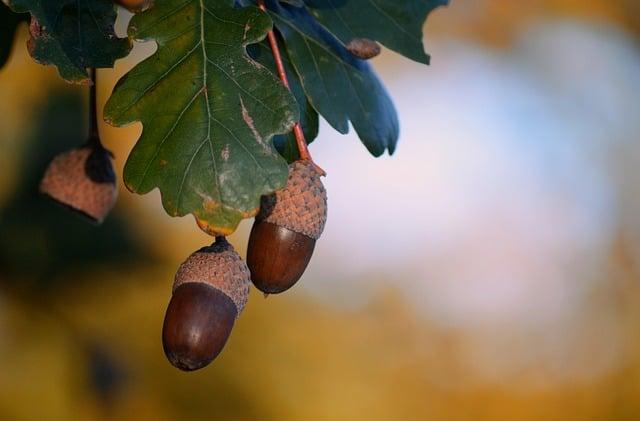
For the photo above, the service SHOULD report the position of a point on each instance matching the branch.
(303, 150)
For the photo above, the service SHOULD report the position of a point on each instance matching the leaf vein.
(164, 139)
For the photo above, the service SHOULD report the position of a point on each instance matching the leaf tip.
(211, 229)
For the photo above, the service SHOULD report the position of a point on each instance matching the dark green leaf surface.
(286, 144)
(397, 24)
(9, 22)
(208, 111)
(73, 35)
(297, 3)
(340, 87)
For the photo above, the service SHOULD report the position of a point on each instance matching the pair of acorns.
(211, 287)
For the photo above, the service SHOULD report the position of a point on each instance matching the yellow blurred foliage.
(499, 21)
(289, 358)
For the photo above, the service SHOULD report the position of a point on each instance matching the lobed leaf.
(208, 112)
(395, 23)
(340, 87)
(73, 35)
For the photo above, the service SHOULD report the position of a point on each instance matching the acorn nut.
(209, 292)
(83, 180)
(285, 231)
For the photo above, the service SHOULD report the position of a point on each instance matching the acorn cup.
(210, 291)
(285, 231)
(83, 180)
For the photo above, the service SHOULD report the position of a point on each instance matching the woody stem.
(303, 150)
(94, 135)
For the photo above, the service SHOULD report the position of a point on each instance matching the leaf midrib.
(204, 90)
(206, 99)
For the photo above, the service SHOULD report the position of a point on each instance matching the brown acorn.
(209, 292)
(83, 180)
(363, 48)
(285, 231)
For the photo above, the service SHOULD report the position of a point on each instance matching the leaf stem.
(301, 142)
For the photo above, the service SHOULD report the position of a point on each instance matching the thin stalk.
(301, 142)
(94, 134)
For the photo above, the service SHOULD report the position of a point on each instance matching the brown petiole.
(94, 134)
(303, 150)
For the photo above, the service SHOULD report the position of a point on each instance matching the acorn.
(210, 291)
(83, 180)
(363, 48)
(285, 231)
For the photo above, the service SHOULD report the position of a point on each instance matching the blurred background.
(490, 270)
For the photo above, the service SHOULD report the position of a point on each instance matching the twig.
(303, 150)
(94, 135)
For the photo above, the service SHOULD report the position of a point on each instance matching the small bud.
(83, 180)
(363, 48)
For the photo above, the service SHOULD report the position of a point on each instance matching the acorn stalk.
(83, 178)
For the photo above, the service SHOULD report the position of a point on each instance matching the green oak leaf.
(73, 35)
(208, 112)
(395, 23)
(9, 22)
(340, 87)
(286, 144)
